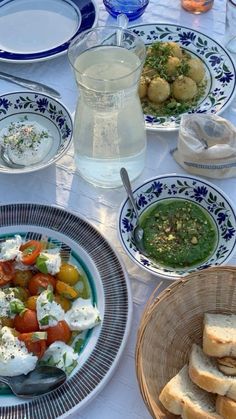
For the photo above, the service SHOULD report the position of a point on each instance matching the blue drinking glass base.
(114, 8)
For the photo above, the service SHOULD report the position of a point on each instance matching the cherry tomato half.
(68, 274)
(26, 321)
(31, 303)
(30, 251)
(59, 332)
(21, 278)
(40, 282)
(7, 272)
(37, 347)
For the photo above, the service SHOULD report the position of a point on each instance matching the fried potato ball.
(184, 88)
(148, 71)
(143, 88)
(172, 66)
(149, 51)
(175, 49)
(196, 70)
(158, 90)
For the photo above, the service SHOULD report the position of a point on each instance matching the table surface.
(62, 186)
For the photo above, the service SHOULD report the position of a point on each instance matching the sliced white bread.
(227, 365)
(226, 407)
(204, 372)
(219, 335)
(182, 397)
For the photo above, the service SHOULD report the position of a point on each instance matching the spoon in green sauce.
(138, 231)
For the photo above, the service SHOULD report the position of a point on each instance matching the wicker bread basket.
(172, 322)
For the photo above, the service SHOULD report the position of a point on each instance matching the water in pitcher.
(109, 130)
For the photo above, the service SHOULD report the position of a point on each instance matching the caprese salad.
(42, 310)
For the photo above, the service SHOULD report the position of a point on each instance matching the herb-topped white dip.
(25, 142)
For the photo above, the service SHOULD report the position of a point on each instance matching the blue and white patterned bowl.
(219, 67)
(45, 110)
(197, 190)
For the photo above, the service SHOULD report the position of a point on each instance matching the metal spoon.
(5, 157)
(40, 381)
(30, 84)
(138, 231)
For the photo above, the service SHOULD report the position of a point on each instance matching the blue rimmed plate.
(42, 29)
(219, 68)
(111, 292)
(192, 189)
(44, 110)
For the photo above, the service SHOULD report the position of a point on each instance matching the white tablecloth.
(60, 185)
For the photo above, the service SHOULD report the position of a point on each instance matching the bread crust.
(227, 370)
(216, 343)
(204, 372)
(192, 412)
(226, 407)
(216, 347)
(181, 397)
(228, 361)
(183, 408)
(206, 381)
(227, 365)
(169, 402)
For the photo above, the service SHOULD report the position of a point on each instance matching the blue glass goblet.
(131, 8)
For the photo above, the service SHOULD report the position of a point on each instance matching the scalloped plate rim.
(157, 128)
(54, 159)
(159, 273)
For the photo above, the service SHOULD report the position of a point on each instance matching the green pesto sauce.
(178, 234)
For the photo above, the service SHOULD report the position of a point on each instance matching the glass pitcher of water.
(109, 130)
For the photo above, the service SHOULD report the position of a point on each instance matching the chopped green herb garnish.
(168, 61)
(45, 320)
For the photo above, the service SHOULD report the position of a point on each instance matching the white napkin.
(207, 146)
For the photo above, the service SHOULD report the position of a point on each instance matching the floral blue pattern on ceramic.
(219, 68)
(190, 188)
(37, 108)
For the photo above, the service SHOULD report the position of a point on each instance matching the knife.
(30, 84)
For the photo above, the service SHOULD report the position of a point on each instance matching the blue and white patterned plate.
(43, 31)
(110, 287)
(45, 110)
(190, 188)
(219, 68)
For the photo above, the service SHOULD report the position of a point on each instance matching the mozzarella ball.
(158, 90)
(176, 50)
(184, 88)
(172, 66)
(142, 90)
(196, 70)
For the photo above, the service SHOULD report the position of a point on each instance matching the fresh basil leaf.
(16, 307)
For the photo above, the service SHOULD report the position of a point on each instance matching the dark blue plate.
(33, 22)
